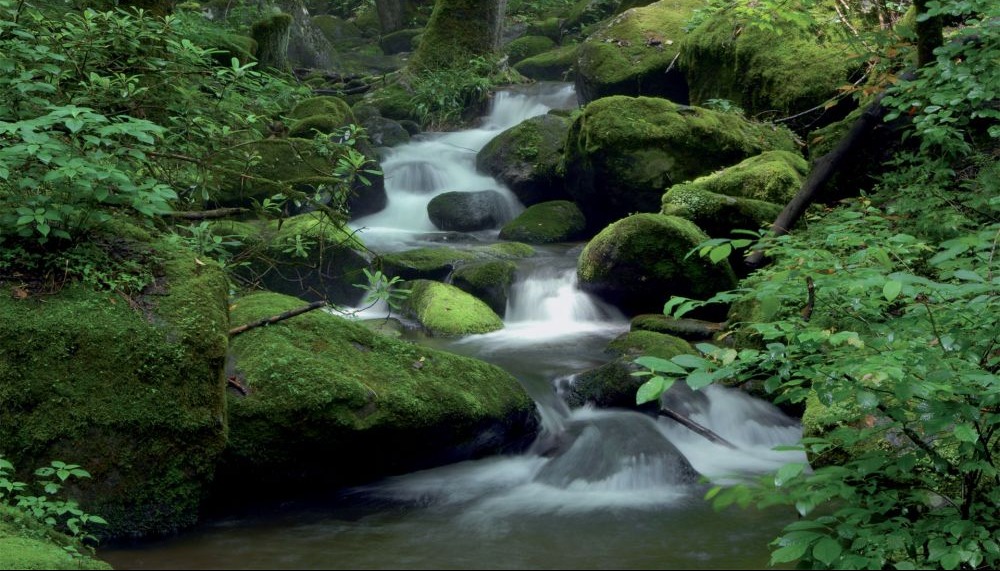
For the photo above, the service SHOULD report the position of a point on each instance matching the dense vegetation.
(882, 313)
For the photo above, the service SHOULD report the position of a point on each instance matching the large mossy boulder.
(774, 176)
(292, 163)
(638, 262)
(438, 263)
(322, 114)
(612, 385)
(554, 65)
(634, 53)
(330, 402)
(489, 281)
(446, 310)
(527, 158)
(555, 221)
(308, 256)
(717, 214)
(683, 327)
(527, 46)
(130, 389)
(780, 69)
(469, 211)
(623, 152)
(585, 13)
(26, 543)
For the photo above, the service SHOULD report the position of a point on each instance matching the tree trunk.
(930, 34)
(458, 31)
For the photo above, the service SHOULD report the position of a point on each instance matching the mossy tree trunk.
(271, 35)
(930, 34)
(458, 31)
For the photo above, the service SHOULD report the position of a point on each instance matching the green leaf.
(652, 389)
(891, 289)
(689, 361)
(700, 379)
(789, 553)
(969, 275)
(660, 365)
(787, 472)
(827, 550)
(966, 433)
(720, 253)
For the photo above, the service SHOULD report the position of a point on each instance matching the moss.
(612, 384)
(773, 176)
(437, 263)
(446, 310)
(394, 102)
(400, 40)
(556, 221)
(690, 329)
(718, 215)
(458, 30)
(549, 27)
(638, 262)
(271, 35)
(321, 124)
(527, 158)
(337, 30)
(28, 544)
(781, 72)
(622, 152)
(323, 390)
(585, 13)
(489, 281)
(554, 65)
(323, 105)
(527, 46)
(631, 53)
(134, 396)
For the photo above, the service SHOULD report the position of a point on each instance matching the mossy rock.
(634, 53)
(446, 310)
(489, 281)
(773, 176)
(307, 256)
(400, 41)
(779, 71)
(582, 16)
(393, 101)
(323, 105)
(623, 152)
(271, 35)
(438, 263)
(716, 214)
(555, 221)
(527, 46)
(527, 158)
(612, 384)
(685, 328)
(291, 163)
(317, 125)
(640, 261)
(133, 392)
(28, 544)
(554, 65)
(383, 132)
(550, 28)
(469, 211)
(325, 393)
(339, 32)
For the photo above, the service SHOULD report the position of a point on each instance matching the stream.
(622, 500)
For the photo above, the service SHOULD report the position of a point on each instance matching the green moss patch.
(527, 46)
(28, 544)
(554, 65)
(447, 310)
(528, 158)
(718, 215)
(437, 263)
(555, 221)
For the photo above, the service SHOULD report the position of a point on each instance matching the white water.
(434, 163)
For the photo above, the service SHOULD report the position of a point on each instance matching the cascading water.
(600, 488)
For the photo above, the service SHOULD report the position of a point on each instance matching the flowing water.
(600, 489)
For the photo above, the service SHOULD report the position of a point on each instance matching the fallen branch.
(207, 214)
(807, 311)
(695, 427)
(276, 318)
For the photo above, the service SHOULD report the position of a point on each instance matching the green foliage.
(38, 501)
(381, 287)
(443, 97)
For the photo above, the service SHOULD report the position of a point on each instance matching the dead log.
(207, 214)
(695, 427)
(276, 318)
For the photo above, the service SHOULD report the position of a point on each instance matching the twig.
(276, 318)
(695, 427)
(807, 311)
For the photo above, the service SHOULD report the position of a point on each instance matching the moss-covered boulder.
(489, 281)
(446, 310)
(638, 262)
(339, 32)
(634, 53)
(438, 263)
(623, 152)
(331, 402)
(527, 158)
(527, 46)
(292, 163)
(383, 132)
(328, 105)
(773, 176)
(780, 69)
(307, 256)
(307, 46)
(585, 13)
(400, 41)
(555, 221)
(28, 544)
(469, 211)
(717, 214)
(612, 384)
(130, 389)
(685, 328)
(554, 65)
